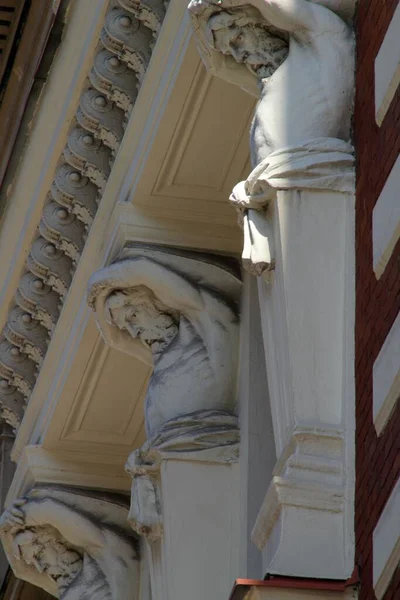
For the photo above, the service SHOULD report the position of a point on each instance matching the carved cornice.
(107, 98)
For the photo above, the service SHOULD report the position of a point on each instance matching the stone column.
(178, 311)
(297, 211)
(73, 544)
(308, 326)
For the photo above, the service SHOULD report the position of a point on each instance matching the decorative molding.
(38, 465)
(308, 484)
(123, 426)
(176, 181)
(117, 220)
(109, 93)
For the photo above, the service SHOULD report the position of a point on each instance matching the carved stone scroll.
(73, 544)
(107, 98)
(150, 12)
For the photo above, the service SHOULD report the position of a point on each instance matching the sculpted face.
(247, 42)
(44, 552)
(144, 317)
(242, 43)
(152, 329)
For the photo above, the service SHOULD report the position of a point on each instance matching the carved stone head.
(44, 549)
(139, 312)
(245, 36)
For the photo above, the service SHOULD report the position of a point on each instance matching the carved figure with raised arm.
(178, 311)
(300, 53)
(73, 547)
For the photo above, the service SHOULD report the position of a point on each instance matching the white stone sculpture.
(300, 54)
(204, 436)
(72, 544)
(178, 312)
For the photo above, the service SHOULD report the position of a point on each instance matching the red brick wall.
(377, 302)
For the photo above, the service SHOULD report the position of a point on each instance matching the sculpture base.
(307, 496)
(198, 555)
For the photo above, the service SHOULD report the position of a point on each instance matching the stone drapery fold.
(316, 164)
(204, 436)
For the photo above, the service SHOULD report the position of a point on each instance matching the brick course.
(377, 302)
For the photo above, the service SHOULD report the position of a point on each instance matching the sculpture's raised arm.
(288, 15)
(170, 287)
(71, 544)
(74, 526)
(295, 15)
(218, 63)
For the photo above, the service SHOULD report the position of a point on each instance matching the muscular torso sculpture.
(178, 311)
(310, 95)
(296, 56)
(304, 93)
(187, 328)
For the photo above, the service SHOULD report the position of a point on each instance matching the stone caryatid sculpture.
(296, 56)
(178, 312)
(72, 544)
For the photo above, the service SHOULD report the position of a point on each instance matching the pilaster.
(308, 325)
(197, 556)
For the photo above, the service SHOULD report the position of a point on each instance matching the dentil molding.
(108, 95)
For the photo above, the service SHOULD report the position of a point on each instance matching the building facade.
(199, 358)
(376, 134)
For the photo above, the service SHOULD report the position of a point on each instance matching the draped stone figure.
(296, 56)
(178, 312)
(73, 545)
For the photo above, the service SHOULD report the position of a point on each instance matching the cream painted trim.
(283, 492)
(386, 378)
(82, 170)
(164, 66)
(37, 465)
(386, 543)
(47, 140)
